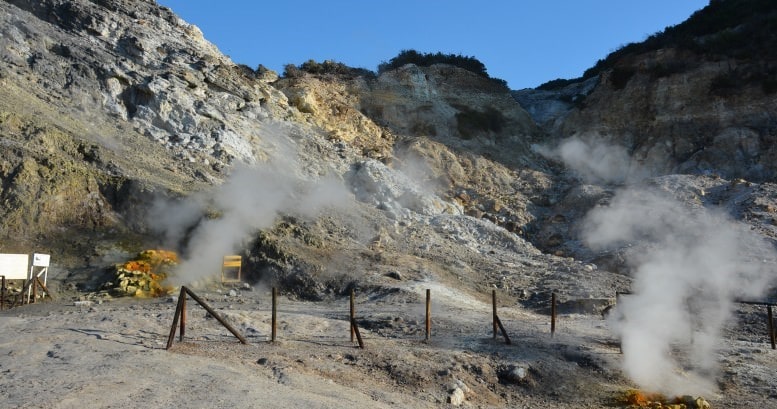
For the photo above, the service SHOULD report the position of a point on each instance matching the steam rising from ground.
(594, 161)
(689, 265)
(251, 199)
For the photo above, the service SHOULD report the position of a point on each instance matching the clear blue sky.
(525, 42)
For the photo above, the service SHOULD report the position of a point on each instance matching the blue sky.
(523, 42)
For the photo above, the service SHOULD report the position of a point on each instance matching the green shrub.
(619, 77)
(730, 28)
(328, 67)
(470, 64)
(423, 128)
(726, 84)
(666, 70)
(427, 59)
(469, 121)
(292, 71)
(558, 83)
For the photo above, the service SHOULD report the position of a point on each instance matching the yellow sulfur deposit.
(634, 398)
(145, 275)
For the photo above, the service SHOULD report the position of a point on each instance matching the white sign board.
(40, 260)
(14, 266)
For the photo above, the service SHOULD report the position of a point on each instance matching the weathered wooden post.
(428, 314)
(179, 315)
(770, 325)
(355, 329)
(2, 294)
(504, 332)
(176, 316)
(43, 287)
(352, 314)
(213, 313)
(552, 314)
(274, 314)
(493, 311)
(182, 300)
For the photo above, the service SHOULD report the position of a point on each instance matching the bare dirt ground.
(112, 354)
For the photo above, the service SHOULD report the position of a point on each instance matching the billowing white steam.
(593, 160)
(251, 199)
(689, 265)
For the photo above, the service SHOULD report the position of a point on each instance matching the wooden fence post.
(182, 301)
(274, 324)
(495, 317)
(2, 294)
(352, 314)
(493, 311)
(770, 326)
(215, 315)
(355, 329)
(428, 314)
(176, 316)
(553, 314)
(504, 332)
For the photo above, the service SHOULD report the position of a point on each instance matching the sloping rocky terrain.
(123, 129)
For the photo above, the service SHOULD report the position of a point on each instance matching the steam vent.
(186, 228)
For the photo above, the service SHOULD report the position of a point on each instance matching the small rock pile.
(145, 276)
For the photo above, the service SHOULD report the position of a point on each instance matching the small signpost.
(30, 270)
(231, 269)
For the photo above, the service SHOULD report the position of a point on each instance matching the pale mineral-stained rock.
(677, 123)
(457, 397)
(374, 183)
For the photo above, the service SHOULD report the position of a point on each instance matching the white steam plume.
(691, 265)
(251, 199)
(593, 160)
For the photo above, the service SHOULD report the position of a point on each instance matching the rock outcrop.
(681, 122)
(697, 98)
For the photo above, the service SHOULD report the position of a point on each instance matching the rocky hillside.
(699, 97)
(122, 129)
(104, 103)
(111, 109)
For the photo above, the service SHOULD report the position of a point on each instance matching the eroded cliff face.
(443, 103)
(104, 106)
(687, 120)
(460, 135)
(455, 107)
